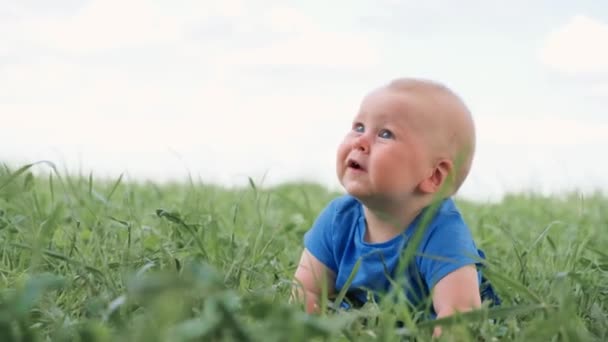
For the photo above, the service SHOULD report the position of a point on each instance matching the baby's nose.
(362, 143)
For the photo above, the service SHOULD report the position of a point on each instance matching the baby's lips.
(353, 163)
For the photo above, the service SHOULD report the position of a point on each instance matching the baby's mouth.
(352, 164)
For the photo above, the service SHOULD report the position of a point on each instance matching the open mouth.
(354, 165)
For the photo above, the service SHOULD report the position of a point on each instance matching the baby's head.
(411, 138)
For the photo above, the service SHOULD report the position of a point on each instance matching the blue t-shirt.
(337, 240)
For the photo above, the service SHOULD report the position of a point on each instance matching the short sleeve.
(449, 247)
(319, 239)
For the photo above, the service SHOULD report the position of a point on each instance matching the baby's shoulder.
(447, 226)
(448, 214)
(447, 221)
(345, 203)
(345, 208)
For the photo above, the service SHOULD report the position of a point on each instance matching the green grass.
(83, 259)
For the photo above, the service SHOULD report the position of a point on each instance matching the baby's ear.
(441, 174)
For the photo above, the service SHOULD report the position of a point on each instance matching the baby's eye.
(386, 134)
(358, 127)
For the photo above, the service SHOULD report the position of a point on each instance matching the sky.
(230, 89)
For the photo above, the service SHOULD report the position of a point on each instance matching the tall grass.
(83, 259)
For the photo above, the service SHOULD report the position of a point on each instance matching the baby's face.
(384, 156)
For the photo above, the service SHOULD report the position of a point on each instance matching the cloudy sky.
(226, 89)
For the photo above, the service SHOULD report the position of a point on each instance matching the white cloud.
(312, 48)
(107, 24)
(298, 40)
(99, 25)
(540, 131)
(240, 34)
(581, 46)
(600, 90)
(287, 20)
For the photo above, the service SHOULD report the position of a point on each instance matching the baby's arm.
(456, 292)
(311, 276)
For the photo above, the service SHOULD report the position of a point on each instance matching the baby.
(411, 145)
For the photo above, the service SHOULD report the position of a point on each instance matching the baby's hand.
(312, 275)
(456, 292)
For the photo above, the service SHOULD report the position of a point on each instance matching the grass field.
(83, 259)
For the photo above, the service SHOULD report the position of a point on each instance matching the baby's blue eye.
(358, 127)
(386, 134)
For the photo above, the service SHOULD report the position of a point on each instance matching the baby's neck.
(384, 225)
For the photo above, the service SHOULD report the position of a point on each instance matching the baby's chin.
(372, 197)
(357, 192)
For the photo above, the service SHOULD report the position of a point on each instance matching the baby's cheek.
(340, 157)
(343, 150)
